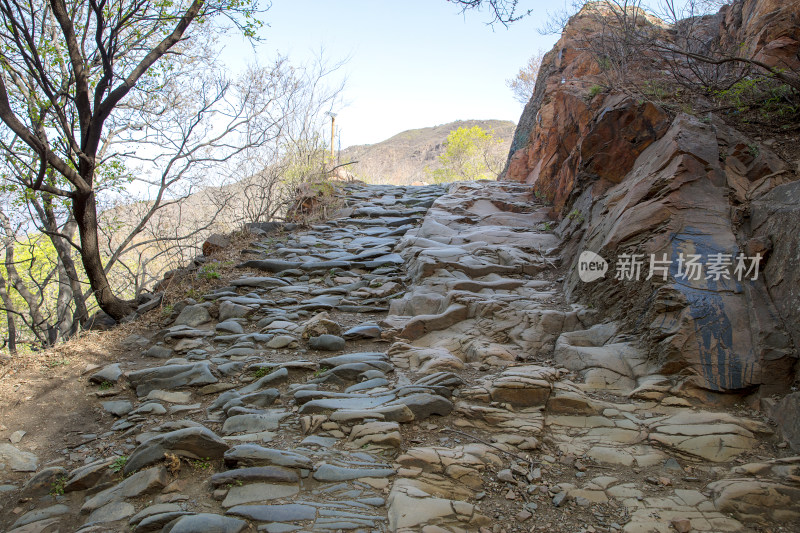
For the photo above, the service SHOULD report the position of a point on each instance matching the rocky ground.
(409, 365)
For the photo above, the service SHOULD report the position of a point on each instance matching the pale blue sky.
(412, 63)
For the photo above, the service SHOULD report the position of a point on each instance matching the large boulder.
(720, 331)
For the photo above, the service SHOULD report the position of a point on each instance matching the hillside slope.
(402, 159)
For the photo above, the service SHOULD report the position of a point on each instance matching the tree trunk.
(81, 313)
(12, 327)
(64, 320)
(84, 206)
(38, 324)
(48, 218)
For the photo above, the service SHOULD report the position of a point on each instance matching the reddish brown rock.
(720, 333)
(681, 525)
(215, 243)
(643, 181)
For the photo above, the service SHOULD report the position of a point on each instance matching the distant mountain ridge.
(403, 158)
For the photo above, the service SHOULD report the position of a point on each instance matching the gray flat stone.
(149, 408)
(331, 343)
(151, 510)
(185, 332)
(249, 301)
(263, 282)
(330, 473)
(169, 396)
(361, 309)
(281, 341)
(253, 423)
(229, 326)
(389, 413)
(269, 265)
(424, 405)
(291, 512)
(111, 512)
(156, 522)
(232, 310)
(110, 374)
(352, 404)
(310, 266)
(171, 377)
(144, 482)
(193, 316)
(318, 441)
(359, 357)
(278, 474)
(205, 523)
(278, 527)
(352, 371)
(237, 351)
(40, 514)
(262, 398)
(255, 455)
(117, 407)
(305, 395)
(234, 367)
(49, 526)
(273, 378)
(373, 502)
(159, 352)
(358, 415)
(86, 477)
(17, 460)
(258, 492)
(371, 242)
(367, 385)
(363, 331)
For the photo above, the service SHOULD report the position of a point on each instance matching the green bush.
(209, 271)
(772, 98)
(470, 154)
(118, 464)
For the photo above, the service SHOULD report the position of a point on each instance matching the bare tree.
(502, 11)
(169, 163)
(523, 84)
(10, 309)
(193, 178)
(32, 284)
(273, 173)
(66, 70)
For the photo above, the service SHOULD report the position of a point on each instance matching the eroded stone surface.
(494, 401)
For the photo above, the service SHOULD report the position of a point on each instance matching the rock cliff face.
(637, 183)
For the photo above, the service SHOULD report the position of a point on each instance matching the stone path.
(410, 365)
